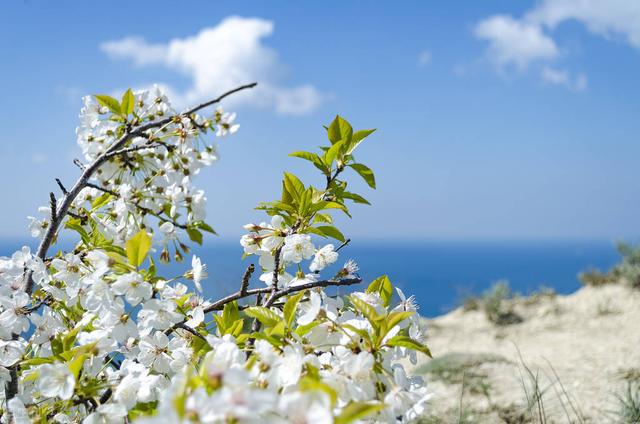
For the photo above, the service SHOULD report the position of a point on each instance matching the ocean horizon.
(439, 273)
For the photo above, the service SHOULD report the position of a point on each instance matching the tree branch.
(62, 187)
(58, 213)
(244, 285)
(88, 172)
(219, 304)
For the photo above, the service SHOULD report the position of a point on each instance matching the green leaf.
(396, 317)
(304, 155)
(301, 330)
(100, 201)
(127, 103)
(333, 153)
(293, 185)
(339, 129)
(382, 286)
(330, 205)
(311, 384)
(323, 217)
(365, 173)
(272, 340)
(360, 332)
(305, 200)
(266, 316)
(137, 248)
(74, 224)
(408, 342)
(277, 330)
(357, 138)
(56, 345)
(75, 365)
(201, 225)
(108, 101)
(357, 410)
(230, 313)
(28, 363)
(194, 235)
(365, 309)
(355, 197)
(291, 306)
(236, 328)
(313, 158)
(331, 231)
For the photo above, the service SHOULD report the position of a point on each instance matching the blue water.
(439, 274)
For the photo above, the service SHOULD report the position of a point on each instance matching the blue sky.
(497, 119)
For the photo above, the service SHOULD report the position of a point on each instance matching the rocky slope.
(567, 361)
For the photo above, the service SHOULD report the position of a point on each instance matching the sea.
(440, 274)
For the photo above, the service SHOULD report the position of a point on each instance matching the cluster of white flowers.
(325, 365)
(276, 239)
(102, 339)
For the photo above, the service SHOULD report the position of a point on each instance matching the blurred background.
(507, 143)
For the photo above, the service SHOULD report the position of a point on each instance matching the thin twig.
(133, 149)
(79, 164)
(244, 285)
(102, 189)
(219, 304)
(52, 204)
(62, 187)
(192, 331)
(347, 241)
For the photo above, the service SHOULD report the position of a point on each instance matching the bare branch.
(244, 285)
(347, 241)
(192, 331)
(102, 189)
(79, 164)
(133, 149)
(52, 204)
(219, 304)
(62, 187)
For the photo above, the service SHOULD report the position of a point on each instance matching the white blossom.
(55, 380)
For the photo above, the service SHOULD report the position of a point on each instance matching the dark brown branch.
(45, 301)
(104, 190)
(76, 216)
(62, 187)
(133, 149)
(219, 304)
(244, 285)
(53, 205)
(192, 331)
(79, 164)
(347, 241)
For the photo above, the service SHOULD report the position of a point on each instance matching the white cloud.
(424, 58)
(555, 76)
(514, 42)
(526, 41)
(609, 18)
(220, 58)
(563, 77)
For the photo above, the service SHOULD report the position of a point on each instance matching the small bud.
(178, 256)
(252, 227)
(164, 255)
